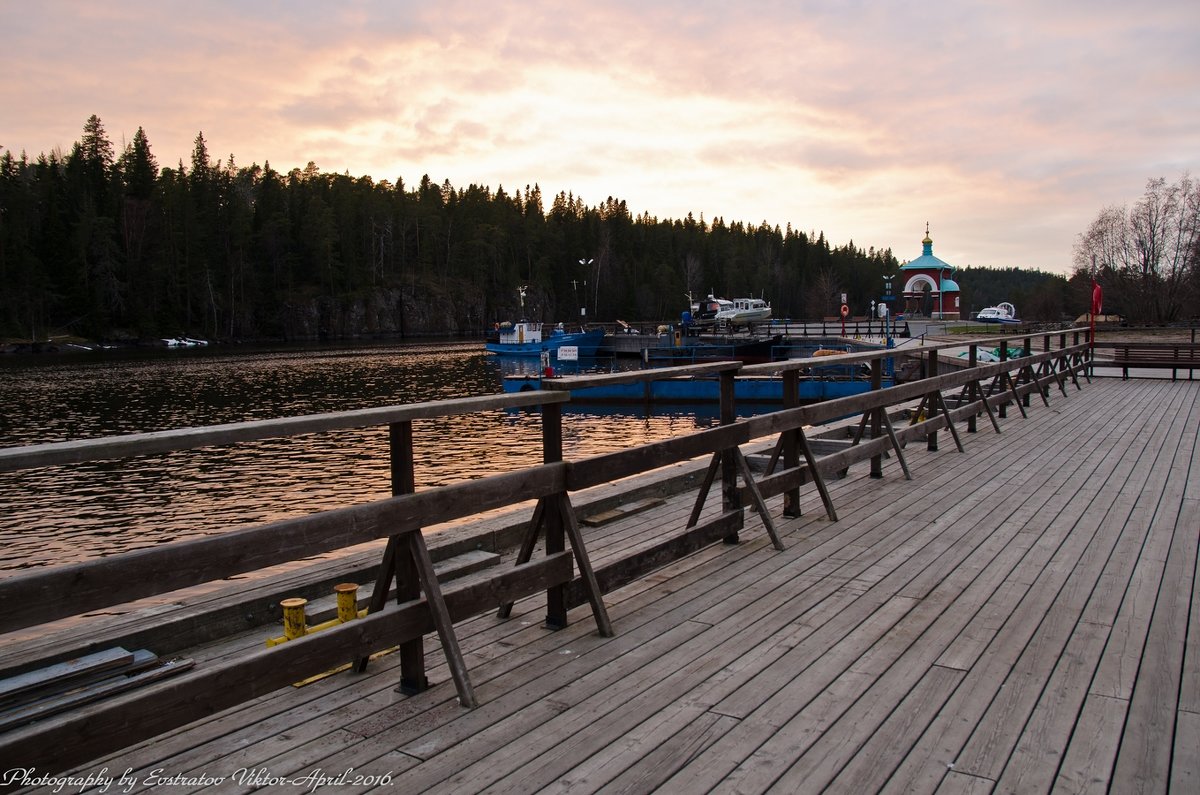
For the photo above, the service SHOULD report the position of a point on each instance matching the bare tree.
(821, 299)
(1146, 256)
(692, 271)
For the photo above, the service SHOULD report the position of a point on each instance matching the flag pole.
(1092, 315)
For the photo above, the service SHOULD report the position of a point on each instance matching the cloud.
(1008, 126)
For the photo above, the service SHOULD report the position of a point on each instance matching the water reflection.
(66, 514)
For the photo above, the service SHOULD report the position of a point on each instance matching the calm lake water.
(56, 515)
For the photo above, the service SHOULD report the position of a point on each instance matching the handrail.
(61, 591)
(81, 450)
(1149, 345)
(570, 382)
(764, 368)
(815, 413)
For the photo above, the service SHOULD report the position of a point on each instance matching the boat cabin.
(520, 333)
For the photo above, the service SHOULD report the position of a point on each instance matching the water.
(56, 515)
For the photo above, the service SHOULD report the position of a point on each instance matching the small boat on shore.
(1003, 312)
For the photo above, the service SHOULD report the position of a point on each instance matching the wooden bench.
(1154, 356)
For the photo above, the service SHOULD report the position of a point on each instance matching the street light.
(583, 309)
(575, 287)
(885, 310)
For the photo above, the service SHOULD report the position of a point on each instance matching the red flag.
(1097, 298)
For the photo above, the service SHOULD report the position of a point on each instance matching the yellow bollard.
(295, 624)
(347, 601)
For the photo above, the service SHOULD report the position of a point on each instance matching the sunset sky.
(1006, 125)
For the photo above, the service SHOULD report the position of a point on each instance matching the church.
(929, 289)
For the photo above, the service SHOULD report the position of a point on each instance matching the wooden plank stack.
(39, 693)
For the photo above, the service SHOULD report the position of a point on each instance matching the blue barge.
(701, 389)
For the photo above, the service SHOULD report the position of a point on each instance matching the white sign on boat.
(568, 353)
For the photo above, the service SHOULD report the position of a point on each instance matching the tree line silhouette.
(102, 244)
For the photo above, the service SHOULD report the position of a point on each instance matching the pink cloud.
(856, 117)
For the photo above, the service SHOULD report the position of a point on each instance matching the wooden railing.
(423, 605)
(1149, 355)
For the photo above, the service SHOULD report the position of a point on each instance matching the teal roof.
(927, 261)
(949, 286)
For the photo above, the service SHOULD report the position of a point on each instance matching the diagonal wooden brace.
(590, 586)
(713, 465)
(891, 432)
(441, 619)
(811, 460)
(1012, 387)
(528, 543)
(949, 421)
(756, 495)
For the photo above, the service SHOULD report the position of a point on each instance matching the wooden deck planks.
(1041, 576)
(1065, 583)
(1126, 603)
(925, 642)
(1143, 763)
(903, 634)
(675, 782)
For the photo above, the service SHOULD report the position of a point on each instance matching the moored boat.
(713, 311)
(745, 311)
(528, 338)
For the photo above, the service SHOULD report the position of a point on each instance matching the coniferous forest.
(109, 245)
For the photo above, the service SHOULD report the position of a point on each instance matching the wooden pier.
(1018, 617)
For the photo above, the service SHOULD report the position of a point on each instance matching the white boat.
(714, 311)
(1003, 312)
(744, 311)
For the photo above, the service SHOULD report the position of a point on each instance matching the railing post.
(931, 439)
(1047, 365)
(1002, 410)
(408, 583)
(730, 500)
(1027, 347)
(791, 451)
(876, 423)
(556, 596)
(972, 362)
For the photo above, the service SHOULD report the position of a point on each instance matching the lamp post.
(586, 263)
(887, 319)
(575, 287)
